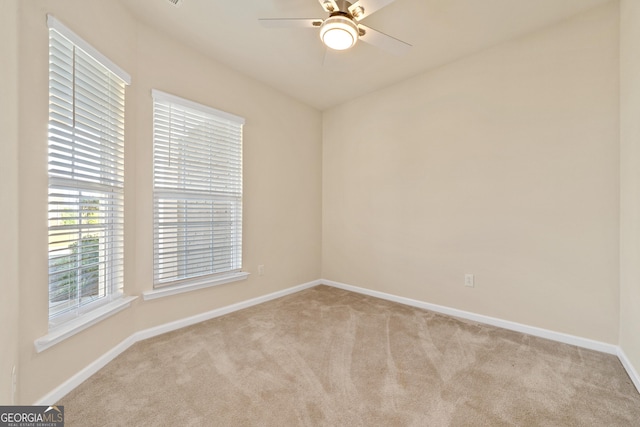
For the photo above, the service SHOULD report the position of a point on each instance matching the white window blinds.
(86, 176)
(197, 191)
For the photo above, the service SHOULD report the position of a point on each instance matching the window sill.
(206, 283)
(68, 329)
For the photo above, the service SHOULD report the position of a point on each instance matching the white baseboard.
(59, 392)
(62, 390)
(633, 374)
(188, 321)
(505, 324)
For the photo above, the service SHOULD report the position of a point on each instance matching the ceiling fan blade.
(290, 22)
(383, 41)
(329, 5)
(363, 8)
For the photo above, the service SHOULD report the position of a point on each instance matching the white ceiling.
(294, 61)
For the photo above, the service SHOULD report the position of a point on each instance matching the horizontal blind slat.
(197, 192)
(86, 178)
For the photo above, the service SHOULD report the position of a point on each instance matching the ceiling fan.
(342, 29)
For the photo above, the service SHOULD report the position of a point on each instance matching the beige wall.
(9, 199)
(630, 180)
(282, 182)
(504, 165)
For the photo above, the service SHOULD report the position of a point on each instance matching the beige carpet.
(328, 357)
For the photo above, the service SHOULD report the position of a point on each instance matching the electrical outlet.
(469, 280)
(261, 270)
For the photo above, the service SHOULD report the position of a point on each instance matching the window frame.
(109, 215)
(170, 184)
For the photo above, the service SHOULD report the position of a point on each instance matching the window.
(86, 176)
(197, 192)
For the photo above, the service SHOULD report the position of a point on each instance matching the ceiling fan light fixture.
(339, 32)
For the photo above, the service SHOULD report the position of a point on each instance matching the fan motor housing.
(339, 32)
